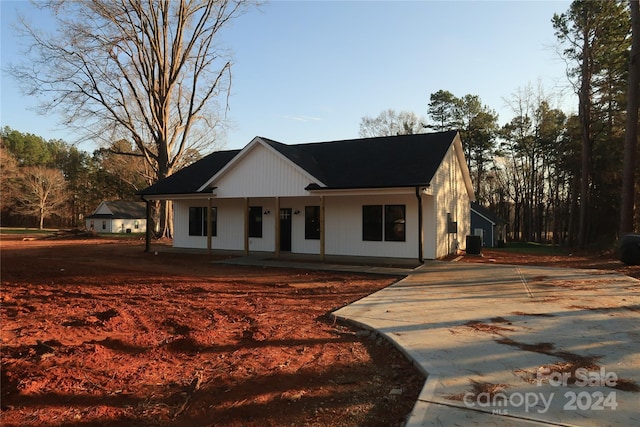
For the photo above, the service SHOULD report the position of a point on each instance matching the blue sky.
(309, 71)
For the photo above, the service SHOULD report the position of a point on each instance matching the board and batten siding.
(428, 227)
(343, 222)
(230, 229)
(262, 172)
(449, 191)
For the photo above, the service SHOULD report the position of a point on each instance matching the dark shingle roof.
(487, 214)
(391, 161)
(123, 209)
(189, 179)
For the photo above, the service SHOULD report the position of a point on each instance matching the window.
(388, 221)
(136, 225)
(104, 225)
(255, 221)
(312, 222)
(394, 223)
(198, 221)
(372, 223)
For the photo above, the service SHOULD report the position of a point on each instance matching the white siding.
(451, 197)
(298, 243)
(230, 228)
(429, 227)
(343, 221)
(343, 224)
(103, 209)
(122, 225)
(262, 172)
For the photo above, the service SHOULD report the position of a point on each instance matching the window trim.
(376, 224)
(393, 225)
(198, 225)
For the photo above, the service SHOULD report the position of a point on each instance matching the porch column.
(246, 226)
(322, 228)
(147, 243)
(209, 230)
(277, 219)
(420, 225)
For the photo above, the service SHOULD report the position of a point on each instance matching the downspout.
(420, 225)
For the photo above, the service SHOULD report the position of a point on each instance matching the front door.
(285, 230)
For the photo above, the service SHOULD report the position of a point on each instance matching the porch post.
(147, 243)
(420, 225)
(246, 226)
(277, 219)
(322, 228)
(209, 230)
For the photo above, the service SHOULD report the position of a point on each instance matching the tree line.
(151, 72)
(50, 183)
(555, 177)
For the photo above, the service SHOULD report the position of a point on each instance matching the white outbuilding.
(118, 216)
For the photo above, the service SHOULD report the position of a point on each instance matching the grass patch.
(533, 248)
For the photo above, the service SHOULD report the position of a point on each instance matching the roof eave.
(178, 196)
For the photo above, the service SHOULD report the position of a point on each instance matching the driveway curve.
(512, 345)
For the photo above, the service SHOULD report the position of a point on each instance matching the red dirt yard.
(98, 332)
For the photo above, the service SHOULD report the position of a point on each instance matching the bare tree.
(148, 71)
(42, 192)
(391, 123)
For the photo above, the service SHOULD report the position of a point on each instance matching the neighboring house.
(118, 217)
(401, 196)
(489, 226)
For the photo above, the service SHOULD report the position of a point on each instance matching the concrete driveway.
(512, 345)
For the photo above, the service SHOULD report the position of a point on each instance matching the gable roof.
(122, 209)
(382, 162)
(487, 214)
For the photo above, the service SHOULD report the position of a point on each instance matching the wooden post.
(147, 244)
(209, 230)
(420, 225)
(277, 219)
(246, 226)
(322, 228)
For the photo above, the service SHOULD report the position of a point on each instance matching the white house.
(402, 196)
(118, 217)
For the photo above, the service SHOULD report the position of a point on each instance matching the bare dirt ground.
(98, 332)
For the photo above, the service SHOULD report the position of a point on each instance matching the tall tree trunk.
(631, 130)
(584, 112)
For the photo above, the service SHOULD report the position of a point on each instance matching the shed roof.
(382, 162)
